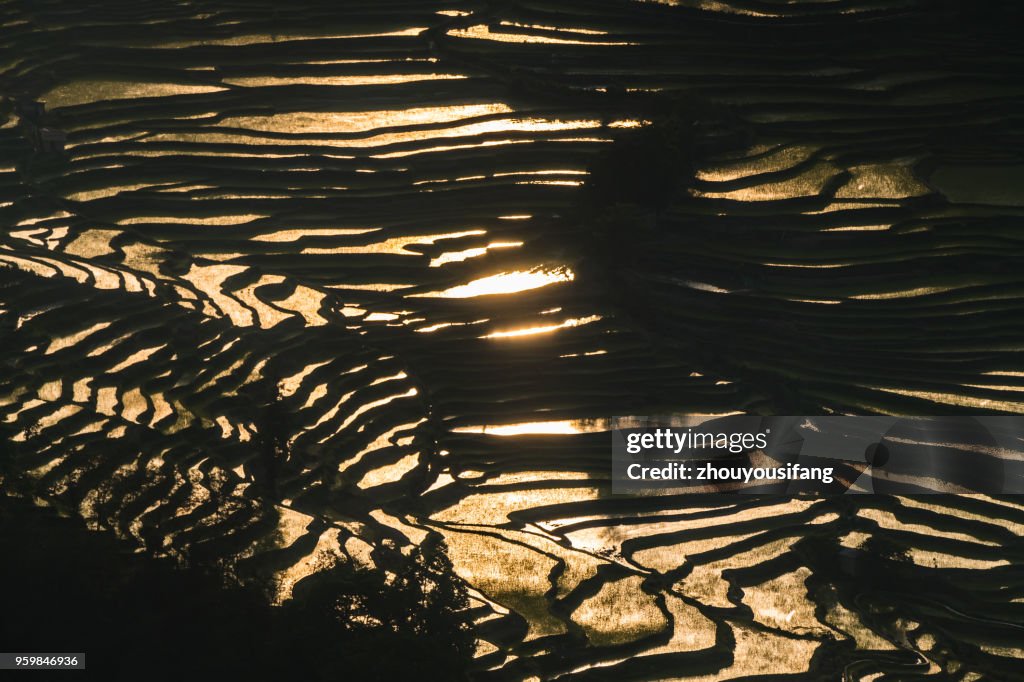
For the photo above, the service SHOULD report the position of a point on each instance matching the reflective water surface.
(384, 236)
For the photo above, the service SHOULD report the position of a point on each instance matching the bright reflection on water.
(557, 427)
(369, 79)
(462, 120)
(360, 121)
(484, 32)
(87, 91)
(506, 283)
(394, 245)
(456, 256)
(263, 38)
(554, 427)
(509, 565)
(542, 329)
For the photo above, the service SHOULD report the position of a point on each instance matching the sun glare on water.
(506, 283)
(550, 427)
(542, 329)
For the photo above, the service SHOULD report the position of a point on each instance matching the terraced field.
(315, 278)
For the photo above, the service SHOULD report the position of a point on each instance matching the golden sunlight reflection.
(361, 121)
(372, 286)
(566, 426)
(267, 38)
(586, 354)
(542, 329)
(394, 245)
(958, 400)
(295, 235)
(484, 32)
(379, 128)
(713, 6)
(87, 91)
(809, 182)
(620, 612)
(574, 29)
(458, 256)
(370, 79)
(762, 159)
(559, 183)
(367, 122)
(506, 283)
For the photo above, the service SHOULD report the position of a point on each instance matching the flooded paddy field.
(281, 281)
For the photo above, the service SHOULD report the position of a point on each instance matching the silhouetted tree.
(67, 589)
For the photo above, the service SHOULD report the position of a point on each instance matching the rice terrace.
(316, 318)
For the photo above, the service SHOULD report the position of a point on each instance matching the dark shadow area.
(65, 588)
